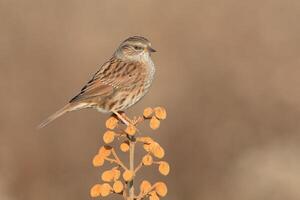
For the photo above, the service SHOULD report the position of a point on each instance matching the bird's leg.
(125, 117)
(121, 117)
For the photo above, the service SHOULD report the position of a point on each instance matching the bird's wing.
(112, 75)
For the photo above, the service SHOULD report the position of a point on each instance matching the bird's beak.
(150, 49)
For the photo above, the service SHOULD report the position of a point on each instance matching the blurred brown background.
(227, 72)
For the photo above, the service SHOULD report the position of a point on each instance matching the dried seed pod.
(153, 196)
(145, 187)
(164, 168)
(148, 112)
(109, 137)
(161, 189)
(107, 176)
(98, 160)
(111, 123)
(160, 113)
(124, 146)
(105, 151)
(154, 123)
(95, 190)
(118, 186)
(105, 189)
(128, 175)
(130, 130)
(147, 160)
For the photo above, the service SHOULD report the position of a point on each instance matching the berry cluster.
(119, 179)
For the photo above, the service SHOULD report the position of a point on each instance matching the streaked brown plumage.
(119, 83)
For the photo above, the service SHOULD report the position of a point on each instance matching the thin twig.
(111, 160)
(131, 167)
(156, 162)
(125, 192)
(138, 167)
(117, 162)
(118, 159)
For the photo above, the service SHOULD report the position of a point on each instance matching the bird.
(118, 84)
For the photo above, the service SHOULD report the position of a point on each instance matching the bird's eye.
(138, 48)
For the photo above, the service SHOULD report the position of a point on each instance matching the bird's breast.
(150, 71)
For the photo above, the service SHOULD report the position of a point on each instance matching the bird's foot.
(137, 120)
(133, 121)
(126, 120)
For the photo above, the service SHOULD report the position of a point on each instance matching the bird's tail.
(55, 115)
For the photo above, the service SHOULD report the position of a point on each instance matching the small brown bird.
(119, 83)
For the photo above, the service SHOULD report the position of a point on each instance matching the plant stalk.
(131, 166)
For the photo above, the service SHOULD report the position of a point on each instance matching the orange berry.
(116, 173)
(146, 147)
(105, 151)
(118, 186)
(147, 112)
(145, 139)
(161, 189)
(111, 123)
(124, 146)
(128, 175)
(160, 112)
(164, 168)
(147, 160)
(109, 137)
(145, 187)
(130, 129)
(95, 190)
(98, 160)
(107, 176)
(157, 150)
(105, 189)
(154, 123)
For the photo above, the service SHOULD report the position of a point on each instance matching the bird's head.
(135, 48)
